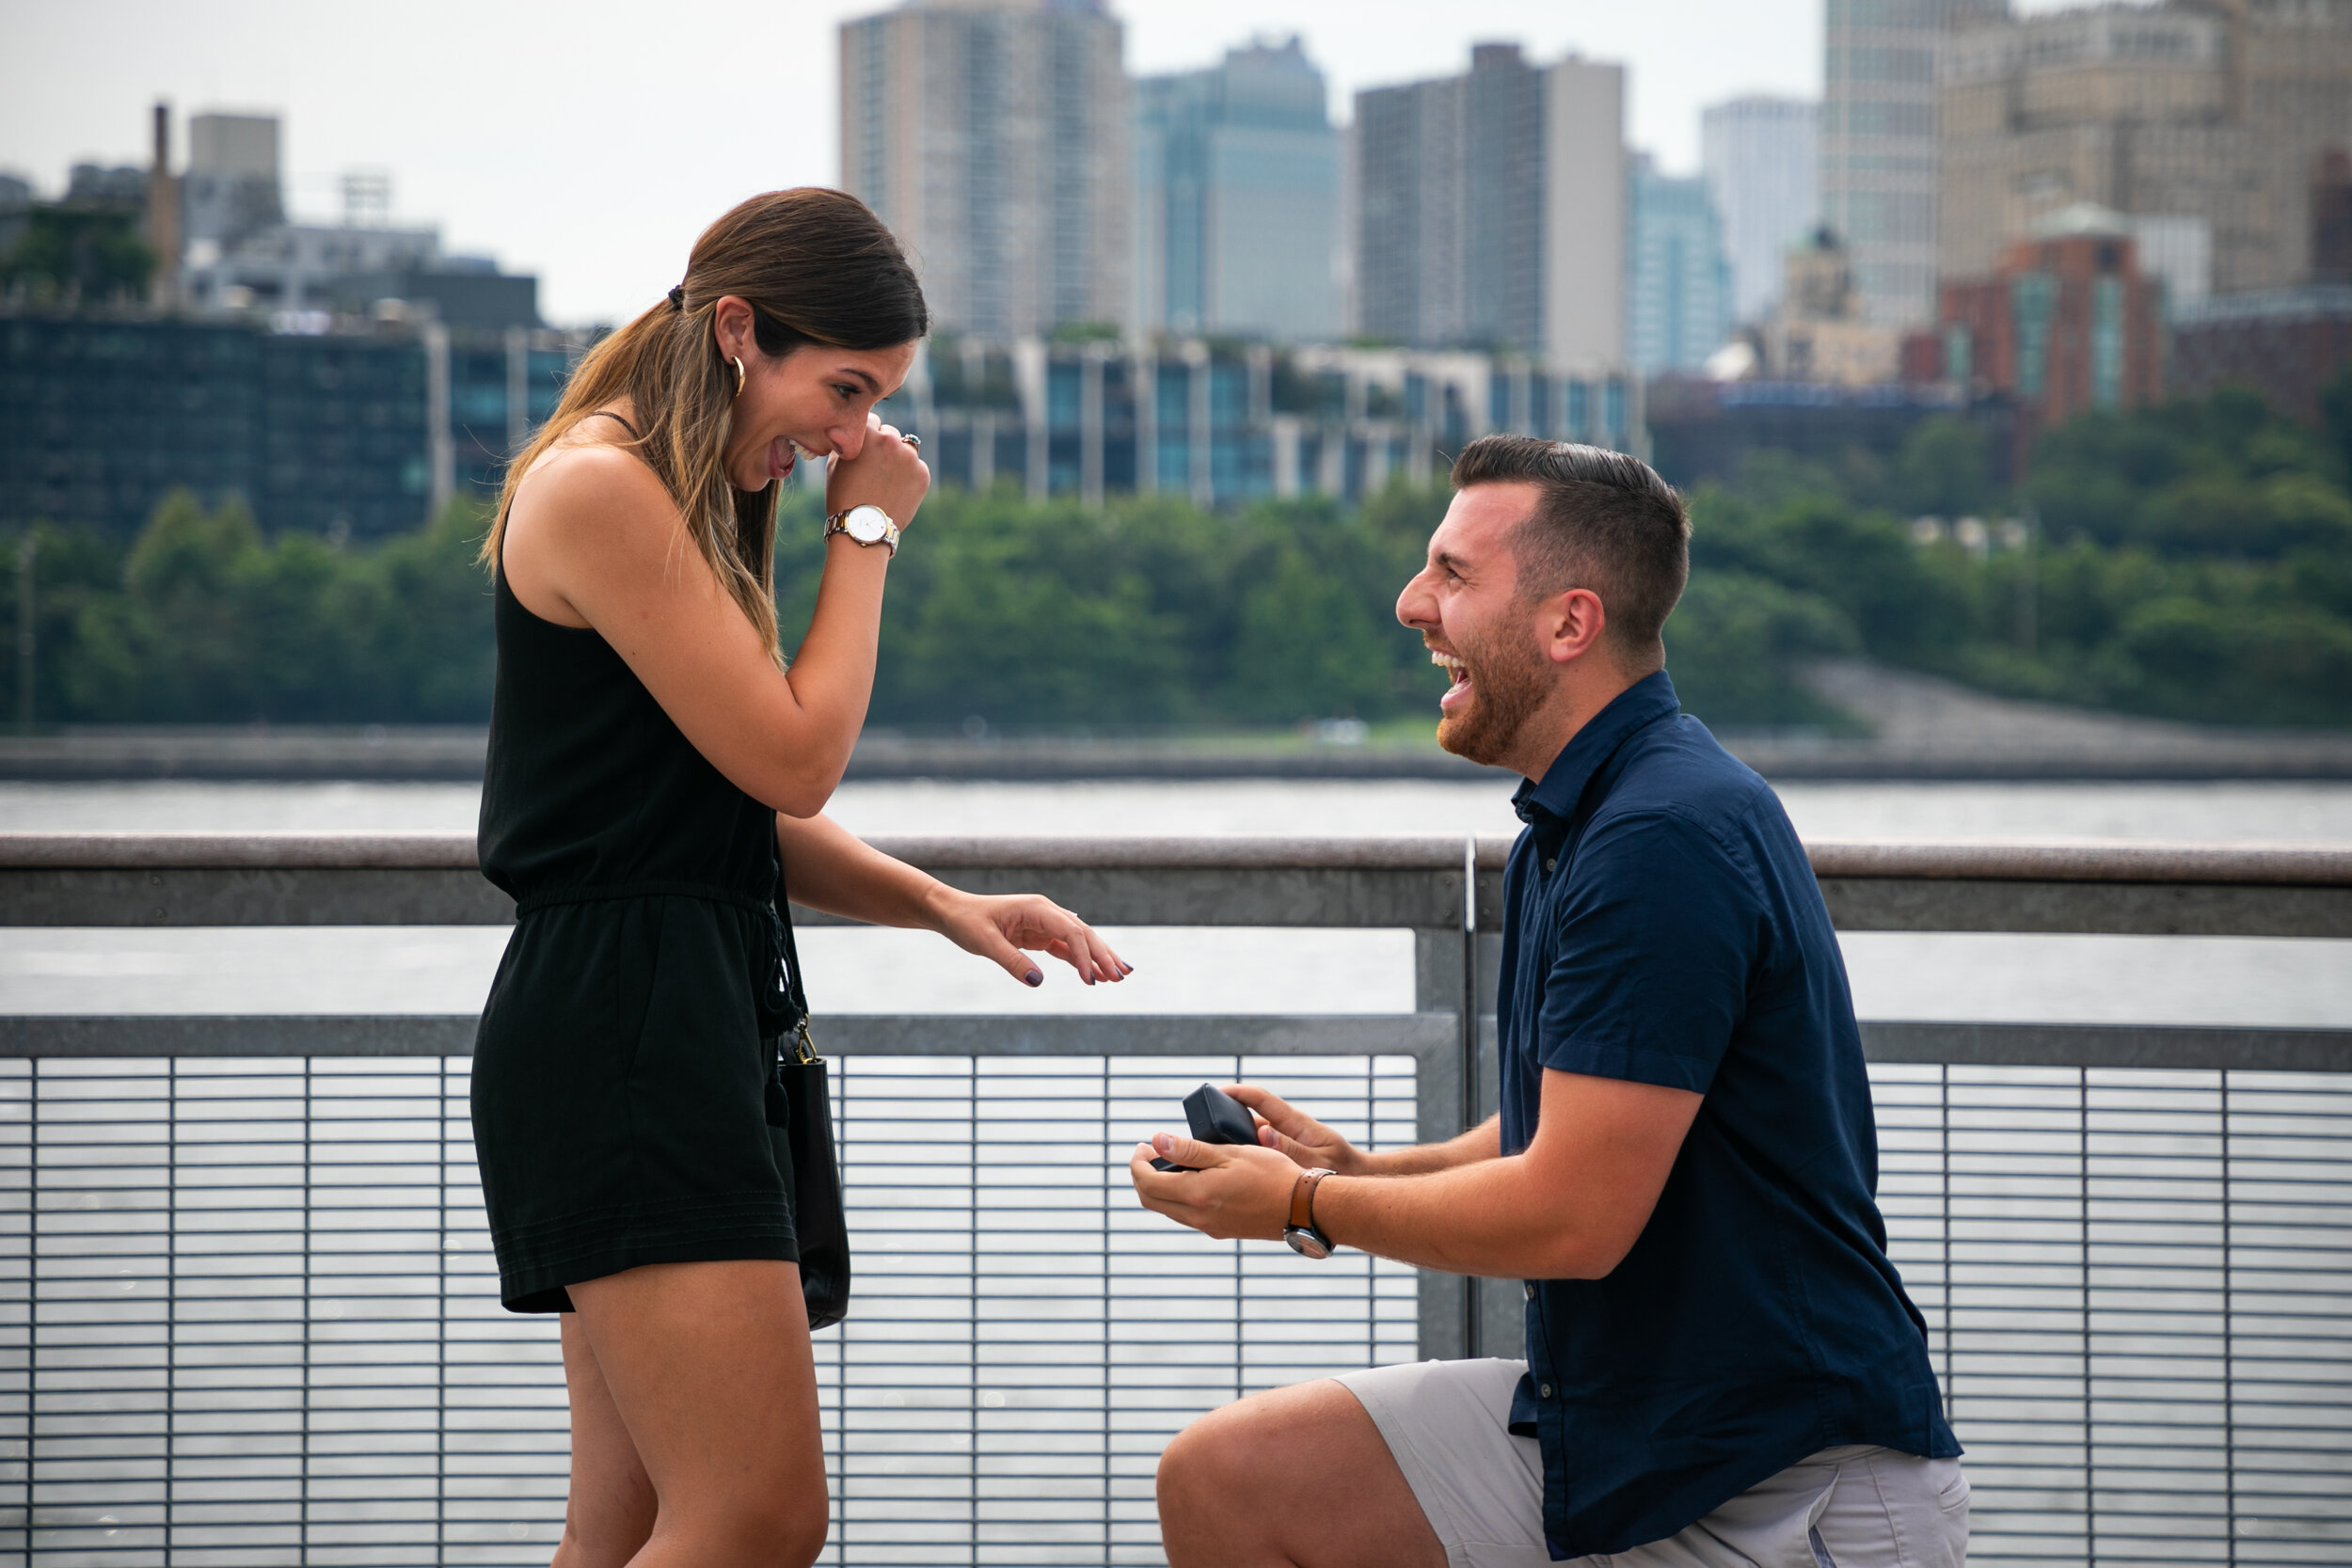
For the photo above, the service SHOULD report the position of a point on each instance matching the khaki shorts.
(1481, 1489)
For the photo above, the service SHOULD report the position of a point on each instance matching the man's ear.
(1573, 623)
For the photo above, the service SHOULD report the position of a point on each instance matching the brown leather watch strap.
(1303, 1199)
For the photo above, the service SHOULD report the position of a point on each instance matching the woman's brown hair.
(816, 267)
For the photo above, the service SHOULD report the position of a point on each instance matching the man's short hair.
(1602, 521)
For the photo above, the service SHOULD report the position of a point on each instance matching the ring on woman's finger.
(915, 441)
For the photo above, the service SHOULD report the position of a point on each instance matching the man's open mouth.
(1455, 667)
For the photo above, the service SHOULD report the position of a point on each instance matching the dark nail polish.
(1034, 977)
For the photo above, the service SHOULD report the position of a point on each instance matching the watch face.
(1306, 1242)
(868, 524)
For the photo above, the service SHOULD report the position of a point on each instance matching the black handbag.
(800, 1120)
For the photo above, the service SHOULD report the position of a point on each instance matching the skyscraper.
(1762, 158)
(1490, 209)
(1237, 190)
(991, 136)
(1678, 288)
(1879, 145)
(2200, 125)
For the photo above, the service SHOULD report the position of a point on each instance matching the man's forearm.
(1482, 1142)
(1474, 1218)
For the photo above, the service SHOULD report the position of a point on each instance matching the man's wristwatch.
(866, 525)
(1300, 1233)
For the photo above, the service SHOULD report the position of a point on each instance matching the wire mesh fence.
(248, 1316)
(248, 1313)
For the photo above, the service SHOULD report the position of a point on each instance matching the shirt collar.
(1649, 699)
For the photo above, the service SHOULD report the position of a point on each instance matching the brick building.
(2285, 343)
(2066, 323)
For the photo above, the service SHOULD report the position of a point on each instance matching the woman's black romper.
(618, 1075)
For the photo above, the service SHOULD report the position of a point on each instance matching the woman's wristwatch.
(1301, 1233)
(866, 525)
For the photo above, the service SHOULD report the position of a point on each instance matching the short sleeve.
(1657, 933)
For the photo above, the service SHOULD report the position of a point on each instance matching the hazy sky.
(590, 142)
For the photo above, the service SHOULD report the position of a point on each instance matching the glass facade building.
(1225, 423)
(1762, 160)
(344, 435)
(1879, 145)
(1678, 293)
(1237, 191)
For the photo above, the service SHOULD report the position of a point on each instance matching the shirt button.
(1545, 1390)
(1551, 865)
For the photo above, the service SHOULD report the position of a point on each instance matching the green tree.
(1737, 645)
(79, 253)
(1944, 469)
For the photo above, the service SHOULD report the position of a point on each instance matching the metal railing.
(247, 1313)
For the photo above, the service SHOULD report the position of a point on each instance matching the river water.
(1992, 977)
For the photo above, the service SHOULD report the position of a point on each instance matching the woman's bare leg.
(609, 1511)
(710, 1374)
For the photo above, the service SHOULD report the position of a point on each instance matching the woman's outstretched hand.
(1007, 927)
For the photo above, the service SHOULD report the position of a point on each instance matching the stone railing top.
(2316, 866)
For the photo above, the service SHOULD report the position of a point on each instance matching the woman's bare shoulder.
(588, 520)
(595, 487)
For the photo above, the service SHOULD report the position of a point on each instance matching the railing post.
(1440, 978)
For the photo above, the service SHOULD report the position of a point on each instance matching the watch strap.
(1303, 1202)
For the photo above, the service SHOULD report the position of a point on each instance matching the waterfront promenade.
(1919, 727)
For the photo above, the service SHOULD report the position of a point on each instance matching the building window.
(2030, 297)
(2106, 343)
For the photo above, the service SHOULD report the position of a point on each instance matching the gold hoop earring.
(738, 375)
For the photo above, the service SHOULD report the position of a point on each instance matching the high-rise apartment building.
(1489, 210)
(2201, 124)
(1677, 285)
(992, 135)
(1879, 145)
(1237, 192)
(1762, 159)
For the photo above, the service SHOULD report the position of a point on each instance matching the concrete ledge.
(2085, 861)
(217, 880)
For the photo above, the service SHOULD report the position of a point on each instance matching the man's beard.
(1508, 683)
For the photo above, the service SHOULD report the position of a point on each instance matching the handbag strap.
(805, 1049)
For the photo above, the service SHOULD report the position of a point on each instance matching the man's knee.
(1237, 1449)
(1195, 1459)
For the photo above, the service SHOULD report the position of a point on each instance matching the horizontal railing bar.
(2108, 1045)
(874, 1034)
(216, 880)
(1419, 1035)
(2315, 865)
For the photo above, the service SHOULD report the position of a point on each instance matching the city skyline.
(452, 125)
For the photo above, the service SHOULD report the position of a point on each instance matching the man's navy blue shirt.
(1663, 925)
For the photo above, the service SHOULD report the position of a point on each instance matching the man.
(1721, 1367)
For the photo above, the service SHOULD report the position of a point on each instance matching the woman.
(651, 767)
